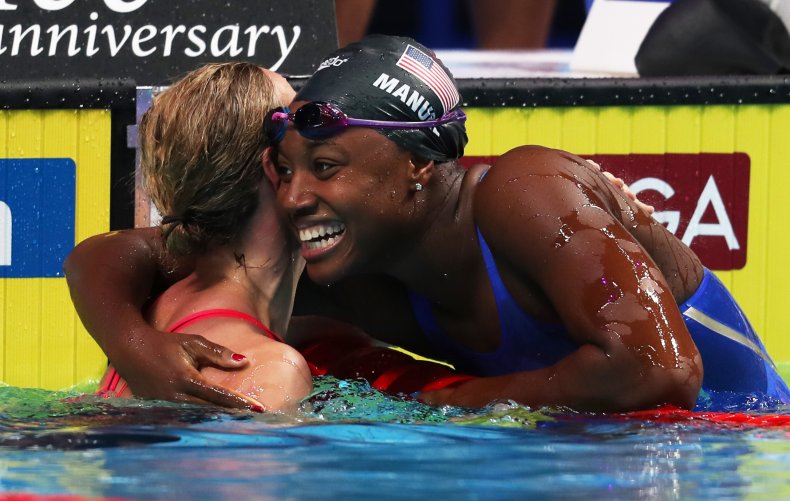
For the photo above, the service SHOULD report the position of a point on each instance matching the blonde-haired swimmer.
(537, 274)
(202, 149)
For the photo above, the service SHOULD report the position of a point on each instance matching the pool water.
(352, 442)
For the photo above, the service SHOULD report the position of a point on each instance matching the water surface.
(352, 442)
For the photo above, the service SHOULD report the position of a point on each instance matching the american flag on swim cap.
(421, 65)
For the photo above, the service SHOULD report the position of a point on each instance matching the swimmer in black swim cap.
(496, 270)
(396, 82)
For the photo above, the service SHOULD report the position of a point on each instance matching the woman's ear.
(421, 170)
(269, 168)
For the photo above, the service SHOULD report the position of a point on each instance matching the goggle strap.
(282, 118)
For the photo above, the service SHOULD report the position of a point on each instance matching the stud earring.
(417, 186)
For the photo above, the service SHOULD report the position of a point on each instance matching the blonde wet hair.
(201, 145)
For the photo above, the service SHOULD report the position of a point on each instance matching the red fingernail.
(257, 408)
(238, 357)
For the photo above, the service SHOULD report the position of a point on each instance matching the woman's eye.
(321, 167)
(283, 171)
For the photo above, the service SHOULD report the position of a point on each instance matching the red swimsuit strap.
(113, 378)
(222, 313)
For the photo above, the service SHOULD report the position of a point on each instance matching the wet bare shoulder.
(542, 188)
(535, 179)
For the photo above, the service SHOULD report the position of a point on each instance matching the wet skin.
(569, 246)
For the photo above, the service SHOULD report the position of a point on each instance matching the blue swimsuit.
(734, 359)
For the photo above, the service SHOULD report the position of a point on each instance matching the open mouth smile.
(321, 236)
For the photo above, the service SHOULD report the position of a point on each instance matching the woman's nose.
(297, 196)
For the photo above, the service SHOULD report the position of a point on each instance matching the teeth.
(321, 235)
(317, 244)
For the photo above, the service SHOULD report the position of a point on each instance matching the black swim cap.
(393, 78)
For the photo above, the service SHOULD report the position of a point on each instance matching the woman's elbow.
(676, 386)
(686, 382)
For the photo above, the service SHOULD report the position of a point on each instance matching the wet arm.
(634, 349)
(110, 277)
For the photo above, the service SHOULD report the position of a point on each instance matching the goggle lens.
(319, 120)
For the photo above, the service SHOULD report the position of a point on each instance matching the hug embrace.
(539, 279)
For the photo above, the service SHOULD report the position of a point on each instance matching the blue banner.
(37, 214)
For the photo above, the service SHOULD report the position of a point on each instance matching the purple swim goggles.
(319, 120)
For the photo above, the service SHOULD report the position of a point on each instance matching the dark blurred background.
(466, 24)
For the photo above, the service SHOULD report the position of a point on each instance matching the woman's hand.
(166, 366)
(624, 188)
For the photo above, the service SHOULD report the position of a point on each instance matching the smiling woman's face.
(349, 199)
